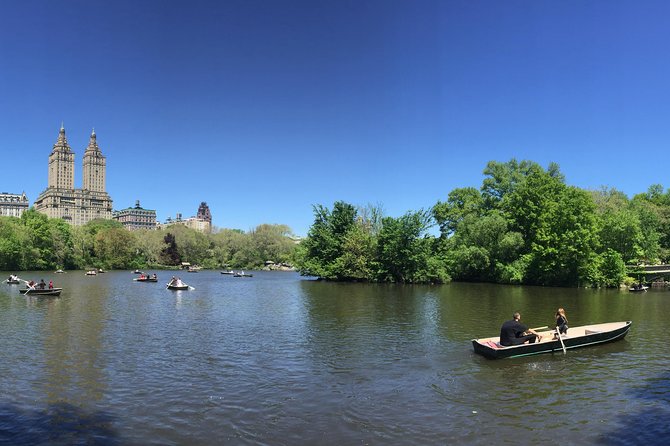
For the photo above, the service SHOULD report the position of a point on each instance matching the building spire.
(93, 143)
(61, 142)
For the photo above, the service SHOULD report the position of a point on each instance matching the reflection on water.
(277, 359)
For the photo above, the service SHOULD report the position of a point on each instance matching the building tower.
(61, 164)
(61, 200)
(203, 213)
(93, 171)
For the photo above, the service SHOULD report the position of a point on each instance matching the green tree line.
(35, 241)
(524, 225)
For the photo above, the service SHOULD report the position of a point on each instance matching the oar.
(539, 328)
(558, 332)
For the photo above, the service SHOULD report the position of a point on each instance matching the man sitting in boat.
(514, 332)
(42, 285)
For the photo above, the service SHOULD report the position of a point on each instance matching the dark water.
(279, 360)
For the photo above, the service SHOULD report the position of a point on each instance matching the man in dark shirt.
(514, 332)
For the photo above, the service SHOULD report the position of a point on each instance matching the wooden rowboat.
(41, 292)
(582, 336)
(146, 279)
(177, 287)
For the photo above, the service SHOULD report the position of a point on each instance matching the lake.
(277, 359)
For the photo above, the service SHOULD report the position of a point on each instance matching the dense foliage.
(37, 242)
(524, 225)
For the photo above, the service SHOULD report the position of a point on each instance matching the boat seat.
(589, 332)
(492, 344)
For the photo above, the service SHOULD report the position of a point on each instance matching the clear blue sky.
(265, 108)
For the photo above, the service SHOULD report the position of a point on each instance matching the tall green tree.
(461, 203)
(14, 244)
(324, 245)
(406, 253)
(565, 241)
(170, 252)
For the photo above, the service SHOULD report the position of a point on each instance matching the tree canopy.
(37, 242)
(524, 225)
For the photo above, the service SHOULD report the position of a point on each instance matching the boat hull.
(45, 292)
(177, 287)
(592, 335)
(145, 280)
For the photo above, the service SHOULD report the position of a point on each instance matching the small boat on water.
(582, 336)
(242, 274)
(176, 284)
(91, 272)
(143, 278)
(41, 292)
(230, 273)
(13, 280)
(638, 288)
(137, 271)
(59, 271)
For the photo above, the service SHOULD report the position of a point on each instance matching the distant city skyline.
(264, 109)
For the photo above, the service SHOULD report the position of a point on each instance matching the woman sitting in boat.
(514, 332)
(176, 281)
(561, 322)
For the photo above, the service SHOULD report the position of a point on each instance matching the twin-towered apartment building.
(79, 206)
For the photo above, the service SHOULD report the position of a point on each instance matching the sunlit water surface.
(280, 360)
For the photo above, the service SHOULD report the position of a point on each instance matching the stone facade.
(136, 218)
(201, 223)
(61, 199)
(13, 205)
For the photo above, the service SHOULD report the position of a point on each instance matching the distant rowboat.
(41, 292)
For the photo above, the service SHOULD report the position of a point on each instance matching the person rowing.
(513, 332)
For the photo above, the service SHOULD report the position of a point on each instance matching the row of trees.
(37, 242)
(524, 225)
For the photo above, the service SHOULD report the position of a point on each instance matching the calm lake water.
(280, 360)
